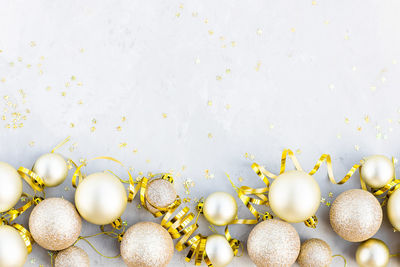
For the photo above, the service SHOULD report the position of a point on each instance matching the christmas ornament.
(218, 250)
(393, 209)
(160, 193)
(51, 168)
(356, 215)
(147, 244)
(55, 224)
(10, 186)
(377, 171)
(220, 208)
(100, 198)
(72, 257)
(13, 251)
(372, 253)
(315, 253)
(273, 243)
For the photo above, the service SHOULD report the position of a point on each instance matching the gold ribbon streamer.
(26, 236)
(14, 213)
(31, 178)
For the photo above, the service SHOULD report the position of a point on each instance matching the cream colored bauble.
(72, 257)
(315, 253)
(356, 215)
(393, 209)
(294, 196)
(377, 171)
(100, 198)
(55, 224)
(52, 168)
(273, 243)
(147, 244)
(219, 250)
(10, 186)
(160, 193)
(13, 251)
(372, 253)
(220, 208)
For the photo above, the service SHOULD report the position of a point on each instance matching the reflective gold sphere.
(52, 168)
(10, 186)
(393, 209)
(220, 208)
(13, 252)
(372, 253)
(218, 250)
(377, 171)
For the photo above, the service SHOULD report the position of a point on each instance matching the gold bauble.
(13, 251)
(220, 208)
(100, 198)
(219, 250)
(294, 196)
(147, 244)
(393, 209)
(355, 215)
(273, 243)
(377, 171)
(52, 168)
(10, 186)
(72, 257)
(160, 193)
(372, 253)
(315, 253)
(55, 224)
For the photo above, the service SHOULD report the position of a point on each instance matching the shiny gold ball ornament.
(372, 253)
(13, 252)
(147, 244)
(55, 224)
(10, 187)
(72, 257)
(160, 193)
(393, 209)
(220, 208)
(294, 196)
(355, 215)
(219, 250)
(377, 171)
(100, 198)
(52, 168)
(273, 243)
(315, 253)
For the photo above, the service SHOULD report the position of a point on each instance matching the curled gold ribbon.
(26, 236)
(14, 213)
(31, 178)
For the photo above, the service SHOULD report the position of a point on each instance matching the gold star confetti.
(218, 78)
(32, 44)
(209, 103)
(331, 86)
(366, 118)
(293, 29)
(346, 37)
(82, 50)
(338, 136)
(356, 147)
(119, 128)
(359, 128)
(322, 200)
(92, 129)
(205, 21)
(330, 194)
(188, 184)
(373, 88)
(80, 102)
(94, 121)
(258, 66)
(240, 179)
(181, 6)
(259, 31)
(210, 32)
(210, 135)
(63, 93)
(346, 120)
(3, 80)
(123, 144)
(354, 68)
(48, 88)
(66, 188)
(123, 118)
(164, 115)
(227, 106)
(73, 78)
(178, 15)
(147, 161)
(31, 143)
(233, 43)
(227, 71)
(298, 151)
(135, 150)
(195, 14)
(328, 204)
(383, 79)
(271, 126)
(197, 61)
(314, 3)
(72, 125)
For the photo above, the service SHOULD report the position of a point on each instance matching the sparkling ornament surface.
(147, 244)
(315, 253)
(100, 198)
(273, 243)
(372, 253)
(219, 251)
(52, 168)
(393, 209)
(13, 252)
(55, 224)
(160, 193)
(377, 171)
(220, 208)
(72, 257)
(294, 196)
(10, 186)
(355, 215)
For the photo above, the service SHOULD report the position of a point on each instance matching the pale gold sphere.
(377, 171)
(52, 168)
(10, 186)
(220, 208)
(315, 253)
(55, 224)
(393, 209)
(294, 196)
(13, 252)
(147, 244)
(72, 257)
(372, 253)
(219, 250)
(355, 215)
(100, 198)
(273, 243)
(160, 193)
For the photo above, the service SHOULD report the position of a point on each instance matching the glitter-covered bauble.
(147, 244)
(393, 209)
(315, 253)
(10, 186)
(273, 243)
(72, 257)
(294, 196)
(101, 198)
(160, 193)
(55, 224)
(13, 251)
(356, 215)
(220, 208)
(218, 250)
(377, 171)
(372, 253)
(52, 168)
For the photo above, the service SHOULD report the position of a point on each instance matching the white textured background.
(201, 83)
